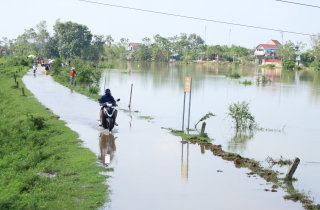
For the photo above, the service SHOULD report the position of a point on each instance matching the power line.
(195, 18)
(308, 5)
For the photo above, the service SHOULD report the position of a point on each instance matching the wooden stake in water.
(292, 168)
(203, 127)
(130, 96)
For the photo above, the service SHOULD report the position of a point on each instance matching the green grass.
(27, 149)
(146, 117)
(186, 136)
(80, 88)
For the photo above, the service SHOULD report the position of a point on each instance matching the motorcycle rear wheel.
(104, 122)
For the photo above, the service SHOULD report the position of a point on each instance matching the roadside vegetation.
(86, 80)
(42, 162)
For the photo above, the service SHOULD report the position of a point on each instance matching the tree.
(306, 58)
(109, 40)
(74, 39)
(97, 48)
(290, 50)
(315, 45)
(43, 35)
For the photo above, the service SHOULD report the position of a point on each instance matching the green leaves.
(243, 119)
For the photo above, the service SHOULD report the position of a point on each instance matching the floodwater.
(153, 170)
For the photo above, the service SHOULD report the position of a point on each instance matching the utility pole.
(205, 35)
(229, 37)
(282, 44)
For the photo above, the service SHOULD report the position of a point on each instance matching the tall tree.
(74, 39)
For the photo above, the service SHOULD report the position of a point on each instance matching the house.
(1, 50)
(133, 46)
(274, 42)
(268, 49)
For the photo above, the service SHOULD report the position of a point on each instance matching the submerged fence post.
(23, 91)
(130, 96)
(203, 127)
(17, 84)
(15, 79)
(292, 168)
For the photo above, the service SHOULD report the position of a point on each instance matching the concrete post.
(203, 127)
(292, 168)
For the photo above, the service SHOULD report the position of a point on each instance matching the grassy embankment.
(254, 166)
(32, 142)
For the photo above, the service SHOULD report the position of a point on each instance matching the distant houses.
(269, 49)
(133, 46)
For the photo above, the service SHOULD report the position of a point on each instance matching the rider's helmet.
(108, 92)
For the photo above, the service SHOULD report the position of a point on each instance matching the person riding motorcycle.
(107, 98)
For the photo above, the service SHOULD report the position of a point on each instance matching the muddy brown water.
(153, 170)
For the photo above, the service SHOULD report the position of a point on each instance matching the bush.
(37, 122)
(306, 59)
(94, 89)
(296, 67)
(270, 66)
(56, 67)
(288, 64)
(243, 119)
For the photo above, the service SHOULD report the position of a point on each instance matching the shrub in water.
(243, 119)
(94, 89)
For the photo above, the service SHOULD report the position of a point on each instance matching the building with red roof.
(134, 46)
(267, 49)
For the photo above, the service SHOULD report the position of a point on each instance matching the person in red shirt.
(72, 74)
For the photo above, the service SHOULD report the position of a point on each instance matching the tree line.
(73, 40)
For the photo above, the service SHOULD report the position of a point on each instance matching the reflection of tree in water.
(107, 147)
(238, 142)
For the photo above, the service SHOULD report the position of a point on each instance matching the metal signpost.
(187, 89)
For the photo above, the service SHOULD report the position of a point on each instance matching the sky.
(17, 15)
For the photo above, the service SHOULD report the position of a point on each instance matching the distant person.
(47, 69)
(72, 74)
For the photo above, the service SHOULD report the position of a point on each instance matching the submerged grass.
(31, 145)
(235, 75)
(254, 166)
(146, 117)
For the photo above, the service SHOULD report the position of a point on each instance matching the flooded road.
(153, 170)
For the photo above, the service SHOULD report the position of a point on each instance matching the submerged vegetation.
(246, 82)
(235, 75)
(241, 116)
(207, 116)
(263, 80)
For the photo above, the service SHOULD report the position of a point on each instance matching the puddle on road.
(152, 169)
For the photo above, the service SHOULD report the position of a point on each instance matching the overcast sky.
(17, 15)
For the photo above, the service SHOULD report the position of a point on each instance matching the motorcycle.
(108, 118)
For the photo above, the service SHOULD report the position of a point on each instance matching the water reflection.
(107, 147)
(238, 141)
(184, 161)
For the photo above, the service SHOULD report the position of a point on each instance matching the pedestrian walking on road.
(72, 74)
